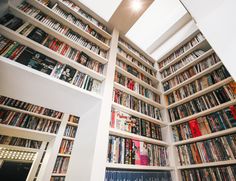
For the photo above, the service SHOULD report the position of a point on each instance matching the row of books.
(125, 122)
(136, 52)
(27, 121)
(212, 150)
(192, 71)
(38, 35)
(133, 71)
(217, 97)
(224, 173)
(193, 42)
(57, 178)
(134, 61)
(74, 119)
(128, 151)
(136, 87)
(56, 26)
(15, 141)
(214, 122)
(198, 85)
(79, 23)
(42, 63)
(132, 102)
(184, 61)
(61, 164)
(66, 146)
(70, 131)
(118, 175)
(29, 107)
(77, 9)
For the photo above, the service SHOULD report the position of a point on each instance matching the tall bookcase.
(107, 57)
(210, 77)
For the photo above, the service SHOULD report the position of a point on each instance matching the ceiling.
(155, 21)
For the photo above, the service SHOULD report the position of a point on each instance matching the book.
(193, 124)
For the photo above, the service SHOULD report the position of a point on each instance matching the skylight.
(157, 19)
(104, 8)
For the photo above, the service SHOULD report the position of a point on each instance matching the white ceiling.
(104, 8)
(157, 19)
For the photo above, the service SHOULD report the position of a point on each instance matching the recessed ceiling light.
(136, 5)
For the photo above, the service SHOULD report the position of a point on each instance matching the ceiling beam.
(125, 17)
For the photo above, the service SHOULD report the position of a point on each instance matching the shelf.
(20, 14)
(207, 136)
(201, 45)
(203, 113)
(138, 114)
(72, 124)
(58, 174)
(50, 53)
(212, 164)
(186, 40)
(85, 20)
(127, 50)
(26, 133)
(29, 113)
(63, 155)
(20, 148)
(68, 138)
(136, 167)
(137, 95)
(36, 87)
(202, 92)
(195, 77)
(120, 133)
(68, 23)
(124, 59)
(188, 65)
(136, 79)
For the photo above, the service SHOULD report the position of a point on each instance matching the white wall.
(216, 20)
(174, 40)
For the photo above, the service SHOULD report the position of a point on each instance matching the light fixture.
(136, 5)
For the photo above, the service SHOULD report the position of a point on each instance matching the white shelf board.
(137, 95)
(63, 155)
(201, 45)
(20, 148)
(137, 167)
(203, 113)
(12, 35)
(195, 77)
(116, 132)
(26, 133)
(124, 59)
(138, 114)
(188, 65)
(29, 113)
(127, 50)
(58, 174)
(20, 14)
(212, 164)
(41, 89)
(207, 136)
(68, 138)
(85, 20)
(72, 124)
(68, 23)
(201, 92)
(136, 79)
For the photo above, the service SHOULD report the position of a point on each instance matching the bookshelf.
(113, 53)
(182, 125)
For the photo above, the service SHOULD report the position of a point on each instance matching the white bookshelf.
(67, 23)
(20, 14)
(137, 167)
